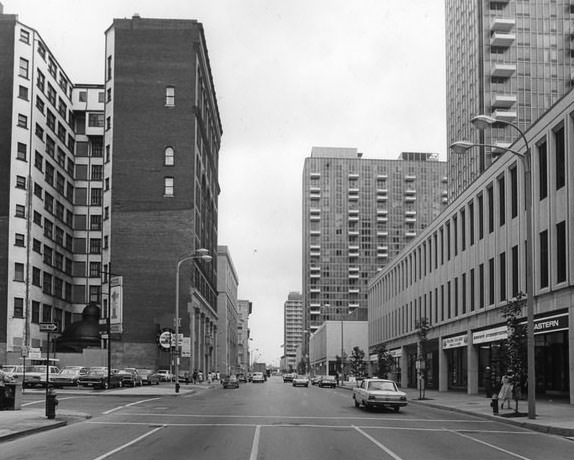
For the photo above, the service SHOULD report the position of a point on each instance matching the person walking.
(487, 382)
(505, 390)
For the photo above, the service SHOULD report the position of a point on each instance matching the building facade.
(228, 321)
(245, 308)
(113, 182)
(464, 267)
(293, 327)
(357, 215)
(510, 59)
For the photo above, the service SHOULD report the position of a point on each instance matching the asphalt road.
(274, 421)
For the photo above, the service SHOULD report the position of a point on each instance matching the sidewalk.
(552, 416)
(32, 419)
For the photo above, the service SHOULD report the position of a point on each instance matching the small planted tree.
(358, 362)
(422, 327)
(385, 361)
(514, 346)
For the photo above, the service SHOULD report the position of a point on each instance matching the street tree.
(385, 361)
(358, 364)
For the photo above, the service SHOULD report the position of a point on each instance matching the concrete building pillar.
(471, 366)
(571, 349)
(404, 368)
(442, 368)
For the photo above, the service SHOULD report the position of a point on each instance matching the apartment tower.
(293, 326)
(508, 59)
(357, 215)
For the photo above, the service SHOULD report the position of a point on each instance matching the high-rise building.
(509, 59)
(293, 327)
(227, 313)
(357, 215)
(244, 307)
(118, 179)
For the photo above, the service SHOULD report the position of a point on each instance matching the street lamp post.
(201, 254)
(482, 122)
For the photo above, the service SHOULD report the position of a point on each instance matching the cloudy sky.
(289, 75)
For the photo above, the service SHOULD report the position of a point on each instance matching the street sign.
(48, 327)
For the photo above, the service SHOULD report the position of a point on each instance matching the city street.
(274, 421)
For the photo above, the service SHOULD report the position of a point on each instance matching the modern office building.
(227, 360)
(358, 214)
(510, 59)
(118, 179)
(293, 327)
(245, 308)
(465, 266)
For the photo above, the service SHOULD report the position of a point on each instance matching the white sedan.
(300, 381)
(372, 393)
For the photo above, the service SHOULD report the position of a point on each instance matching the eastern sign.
(164, 339)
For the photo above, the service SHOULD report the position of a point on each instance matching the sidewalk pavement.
(32, 418)
(552, 416)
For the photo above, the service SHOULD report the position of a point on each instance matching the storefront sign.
(454, 342)
(490, 335)
(397, 353)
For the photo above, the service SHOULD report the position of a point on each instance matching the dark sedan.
(97, 377)
(230, 382)
(327, 381)
(149, 377)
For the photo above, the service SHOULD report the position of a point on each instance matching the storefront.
(455, 349)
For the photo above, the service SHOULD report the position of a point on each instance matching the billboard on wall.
(116, 303)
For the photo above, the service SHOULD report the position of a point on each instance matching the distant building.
(245, 308)
(119, 179)
(293, 326)
(358, 214)
(510, 59)
(228, 321)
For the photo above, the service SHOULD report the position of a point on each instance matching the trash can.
(12, 396)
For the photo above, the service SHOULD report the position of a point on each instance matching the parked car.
(36, 375)
(327, 381)
(130, 377)
(149, 377)
(97, 377)
(288, 378)
(230, 381)
(300, 381)
(241, 378)
(69, 376)
(315, 380)
(373, 393)
(165, 375)
(258, 377)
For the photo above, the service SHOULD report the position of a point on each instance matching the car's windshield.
(382, 386)
(69, 371)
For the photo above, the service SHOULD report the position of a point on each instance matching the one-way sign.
(48, 327)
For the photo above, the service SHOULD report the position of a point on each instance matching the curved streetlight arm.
(483, 121)
(460, 147)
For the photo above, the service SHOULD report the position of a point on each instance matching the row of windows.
(42, 313)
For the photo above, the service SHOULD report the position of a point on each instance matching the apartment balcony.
(353, 176)
(354, 269)
(314, 189)
(315, 275)
(382, 212)
(315, 218)
(410, 233)
(353, 247)
(410, 177)
(354, 233)
(353, 212)
(383, 248)
(382, 219)
(354, 290)
(444, 179)
(381, 198)
(503, 70)
(353, 254)
(444, 200)
(502, 25)
(410, 191)
(353, 276)
(383, 233)
(410, 220)
(315, 247)
(353, 197)
(315, 196)
(504, 115)
(382, 255)
(315, 312)
(502, 40)
(314, 268)
(382, 191)
(353, 190)
(410, 199)
(315, 290)
(353, 305)
(503, 101)
(315, 232)
(315, 175)
(353, 218)
(382, 177)
(410, 213)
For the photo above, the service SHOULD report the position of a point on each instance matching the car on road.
(36, 375)
(315, 380)
(288, 378)
(97, 377)
(165, 375)
(149, 377)
(69, 376)
(379, 393)
(327, 381)
(241, 378)
(300, 381)
(230, 381)
(130, 377)
(258, 377)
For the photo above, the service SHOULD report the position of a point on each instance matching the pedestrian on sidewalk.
(505, 390)
(487, 382)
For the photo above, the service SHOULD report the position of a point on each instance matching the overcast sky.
(289, 75)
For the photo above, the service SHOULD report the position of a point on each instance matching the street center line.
(127, 405)
(255, 445)
(122, 447)
(489, 445)
(378, 444)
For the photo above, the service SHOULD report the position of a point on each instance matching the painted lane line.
(255, 445)
(378, 444)
(127, 405)
(132, 442)
(489, 445)
(313, 417)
